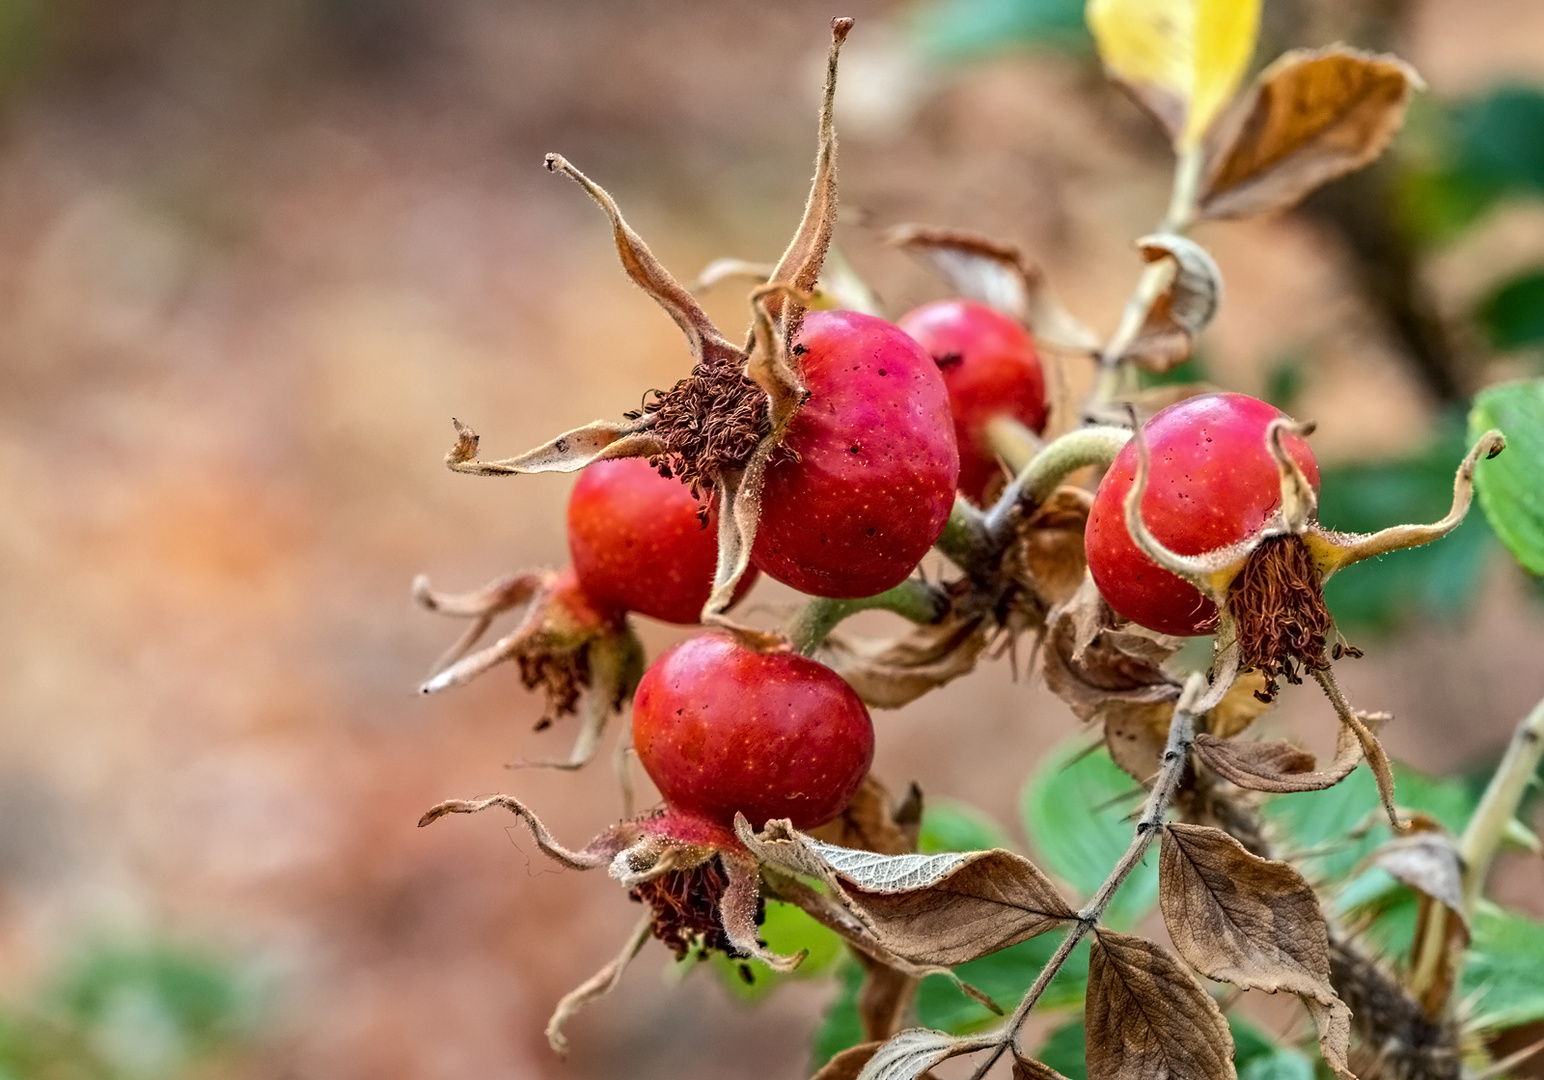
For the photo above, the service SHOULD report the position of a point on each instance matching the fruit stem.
(965, 540)
(912, 599)
(1010, 440)
(1057, 460)
(1175, 754)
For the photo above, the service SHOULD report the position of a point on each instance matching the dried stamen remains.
(1278, 602)
(685, 904)
(562, 674)
(708, 422)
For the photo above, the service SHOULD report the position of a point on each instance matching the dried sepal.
(587, 662)
(739, 912)
(596, 986)
(599, 852)
(1000, 276)
(1182, 308)
(1372, 749)
(1147, 1018)
(1428, 861)
(848, 1064)
(1335, 550)
(1047, 557)
(1091, 664)
(1310, 117)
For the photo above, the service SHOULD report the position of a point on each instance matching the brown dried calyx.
(562, 676)
(710, 421)
(686, 906)
(1277, 600)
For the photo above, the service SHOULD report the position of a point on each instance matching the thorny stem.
(1175, 755)
(1482, 836)
(912, 599)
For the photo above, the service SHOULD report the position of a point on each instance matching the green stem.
(912, 599)
(1498, 806)
(965, 540)
(1059, 458)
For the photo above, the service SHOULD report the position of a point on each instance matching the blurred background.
(254, 257)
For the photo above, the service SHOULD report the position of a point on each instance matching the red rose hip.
(723, 730)
(639, 544)
(1213, 483)
(990, 368)
(864, 479)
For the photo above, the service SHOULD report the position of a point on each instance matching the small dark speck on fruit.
(852, 449)
(882, 371)
(870, 530)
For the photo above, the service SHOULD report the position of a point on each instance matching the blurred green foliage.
(128, 1012)
(1512, 315)
(961, 29)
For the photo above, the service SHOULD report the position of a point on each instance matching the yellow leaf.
(1183, 58)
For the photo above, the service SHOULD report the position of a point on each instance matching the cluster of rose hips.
(830, 454)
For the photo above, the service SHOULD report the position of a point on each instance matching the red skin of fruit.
(1212, 484)
(722, 729)
(874, 477)
(990, 368)
(638, 544)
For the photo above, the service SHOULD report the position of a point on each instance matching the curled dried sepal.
(1000, 276)
(1335, 550)
(599, 852)
(839, 286)
(588, 662)
(596, 986)
(1181, 308)
(1281, 767)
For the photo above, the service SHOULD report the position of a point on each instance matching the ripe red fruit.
(639, 544)
(1212, 484)
(864, 479)
(990, 368)
(722, 729)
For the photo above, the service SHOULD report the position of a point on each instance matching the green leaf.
(962, 28)
(1438, 580)
(1506, 956)
(786, 929)
(955, 826)
(1501, 138)
(1509, 488)
(1078, 814)
(1282, 1063)
(1004, 976)
(1513, 315)
(1066, 1050)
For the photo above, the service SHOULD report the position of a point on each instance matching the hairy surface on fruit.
(990, 368)
(1277, 600)
(721, 730)
(685, 904)
(710, 421)
(1213, 483)
(869, 478)
(644, 543)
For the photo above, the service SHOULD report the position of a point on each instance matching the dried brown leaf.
(1239, 918)
(998, 275)
(1334, 1024)
(951, 908)
(1147, 1017)
(848, 1064)
(913, 1052)
(1312, 116)
(1428, 862)
(1089, 666)
(1182, 309)
(1027, 1068)
(1277, 767)
(1048, 554)
(890, 674)
(1136, 735)
(872, 823)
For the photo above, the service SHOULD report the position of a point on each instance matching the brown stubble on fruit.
(1283, 622)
